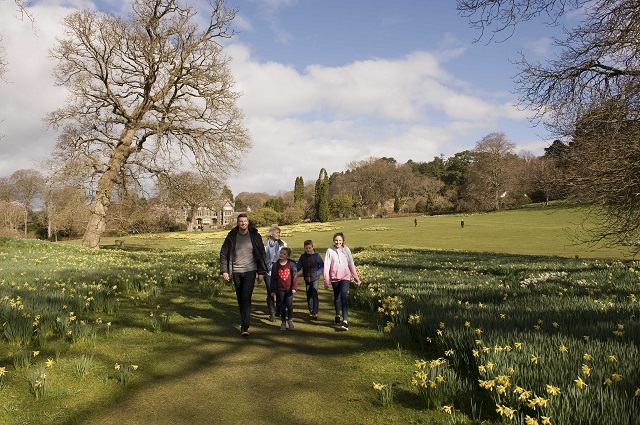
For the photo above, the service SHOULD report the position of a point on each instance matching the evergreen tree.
(322, 196)
(298, 190)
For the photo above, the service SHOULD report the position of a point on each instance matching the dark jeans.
(285, 300)
(340, 291)
(244, 283)
(312, 296)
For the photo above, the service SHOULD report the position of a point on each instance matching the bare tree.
(26, 187)
(150, 94)
(191, 191)
(590, 95)
(491, 174)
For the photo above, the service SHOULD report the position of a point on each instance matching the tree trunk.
(107, 182)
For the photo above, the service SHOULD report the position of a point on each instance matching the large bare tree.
(589, 94)
(150, 94)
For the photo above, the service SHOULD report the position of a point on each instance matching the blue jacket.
(311, 266)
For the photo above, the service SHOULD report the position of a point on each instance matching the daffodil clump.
(385, 393)
(548, 340)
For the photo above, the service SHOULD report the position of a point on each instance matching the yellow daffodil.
(49, 362)
(555, 391)
(534, 359)
(467, 324)
(586, 370)
(587, 357)
(580, 383)
(637, 393)
(505, 411)
(616, 377)
(3, 370)
(518, 345)
(447, 409)
(546, 420)
(528, 420)
(563, 348)
(613, 359)
(378, 387)
(36, 353)
(449, 353)
(608, 381)
(475, 353)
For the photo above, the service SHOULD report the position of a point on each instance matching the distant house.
(215, 215)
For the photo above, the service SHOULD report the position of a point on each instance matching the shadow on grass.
(206, 372)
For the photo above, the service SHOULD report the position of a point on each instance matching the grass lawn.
(195, 368)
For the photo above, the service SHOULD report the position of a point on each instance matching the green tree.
(264, 217)
(341, 206)
(276, 204)
(322, 196)
(298, 190)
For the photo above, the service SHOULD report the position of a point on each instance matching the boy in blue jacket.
(311, 265)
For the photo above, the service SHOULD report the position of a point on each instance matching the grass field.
(148, 333)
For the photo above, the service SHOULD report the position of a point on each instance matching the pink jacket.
(338, 265)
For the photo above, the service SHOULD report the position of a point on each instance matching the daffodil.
(587, 357)
(586, 370)
(49, 362)
(555, 391)
(580, 383)
(534, 359)
(613, 359)
(447, 409)
(3, 370)
(528, 420)
(563, 348)
(546, 420)
(378, 387)
(616, 377)
(608, 381)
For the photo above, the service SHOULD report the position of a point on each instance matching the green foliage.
(264, 217)
(298, 190)
(276, 204)
(322, 196)
(341, 206)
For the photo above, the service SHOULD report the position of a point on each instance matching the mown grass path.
(202, 371)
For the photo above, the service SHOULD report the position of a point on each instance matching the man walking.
(242, 259)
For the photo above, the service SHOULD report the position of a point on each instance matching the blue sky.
(324, 83)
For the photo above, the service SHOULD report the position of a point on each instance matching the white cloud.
(408, 107)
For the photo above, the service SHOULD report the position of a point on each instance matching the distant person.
(242, 260)
(338, 269)
(311, 266)
(462, 223)
(284, 283)
(415, 222)
(272, 246)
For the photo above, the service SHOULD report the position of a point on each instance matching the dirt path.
(205, 372)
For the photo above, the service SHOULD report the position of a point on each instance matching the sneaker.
(310, 313)
(336, 321)
(245, 333)
(315, 316)
(291, 327)
(283, 326)
(344, 326)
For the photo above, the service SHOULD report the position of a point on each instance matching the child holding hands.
(284, 283)
(311, 266)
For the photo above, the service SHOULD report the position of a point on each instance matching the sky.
(324, 84)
